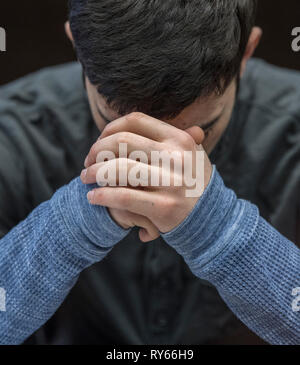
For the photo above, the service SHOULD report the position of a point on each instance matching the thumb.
(197, 134)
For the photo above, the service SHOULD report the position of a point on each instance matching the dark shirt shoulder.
(47, 129)
(273, 87)
(259, 155)
(60, 84)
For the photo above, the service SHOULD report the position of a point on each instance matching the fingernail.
(86, 162)
(83, 174)
(90, 196)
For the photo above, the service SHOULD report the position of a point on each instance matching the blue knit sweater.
(224, 241)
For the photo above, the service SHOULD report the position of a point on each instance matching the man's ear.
(69, 32)
(253, 42)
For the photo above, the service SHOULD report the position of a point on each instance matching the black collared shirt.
(145, 293)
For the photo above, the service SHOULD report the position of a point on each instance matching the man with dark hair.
(221, 267)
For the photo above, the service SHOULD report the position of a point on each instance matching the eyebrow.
(204, 127)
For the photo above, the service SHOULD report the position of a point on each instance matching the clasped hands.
(154, 208)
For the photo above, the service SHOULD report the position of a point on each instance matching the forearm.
(41, 258)
(253, 267)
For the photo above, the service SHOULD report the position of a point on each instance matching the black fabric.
(144, 293)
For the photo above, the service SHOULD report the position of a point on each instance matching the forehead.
(202, 110)
(206, 109)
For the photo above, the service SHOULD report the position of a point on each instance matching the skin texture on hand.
(155, 209)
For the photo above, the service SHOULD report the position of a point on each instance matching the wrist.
(90, 226)
(216, 220)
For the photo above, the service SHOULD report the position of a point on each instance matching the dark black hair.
(159, 56)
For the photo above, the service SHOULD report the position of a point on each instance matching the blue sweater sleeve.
(42, 257)
(254, 268)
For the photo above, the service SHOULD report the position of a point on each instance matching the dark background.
(36, 38)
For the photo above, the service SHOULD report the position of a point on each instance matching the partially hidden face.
(212, 114)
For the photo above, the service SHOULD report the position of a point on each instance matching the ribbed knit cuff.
(215, 222)
(90, 226)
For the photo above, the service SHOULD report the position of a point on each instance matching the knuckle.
(134, 116)
(107, 131)
(88, 174)
(108, 128)
(123, 137)
(93, 150)
(186, 141)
